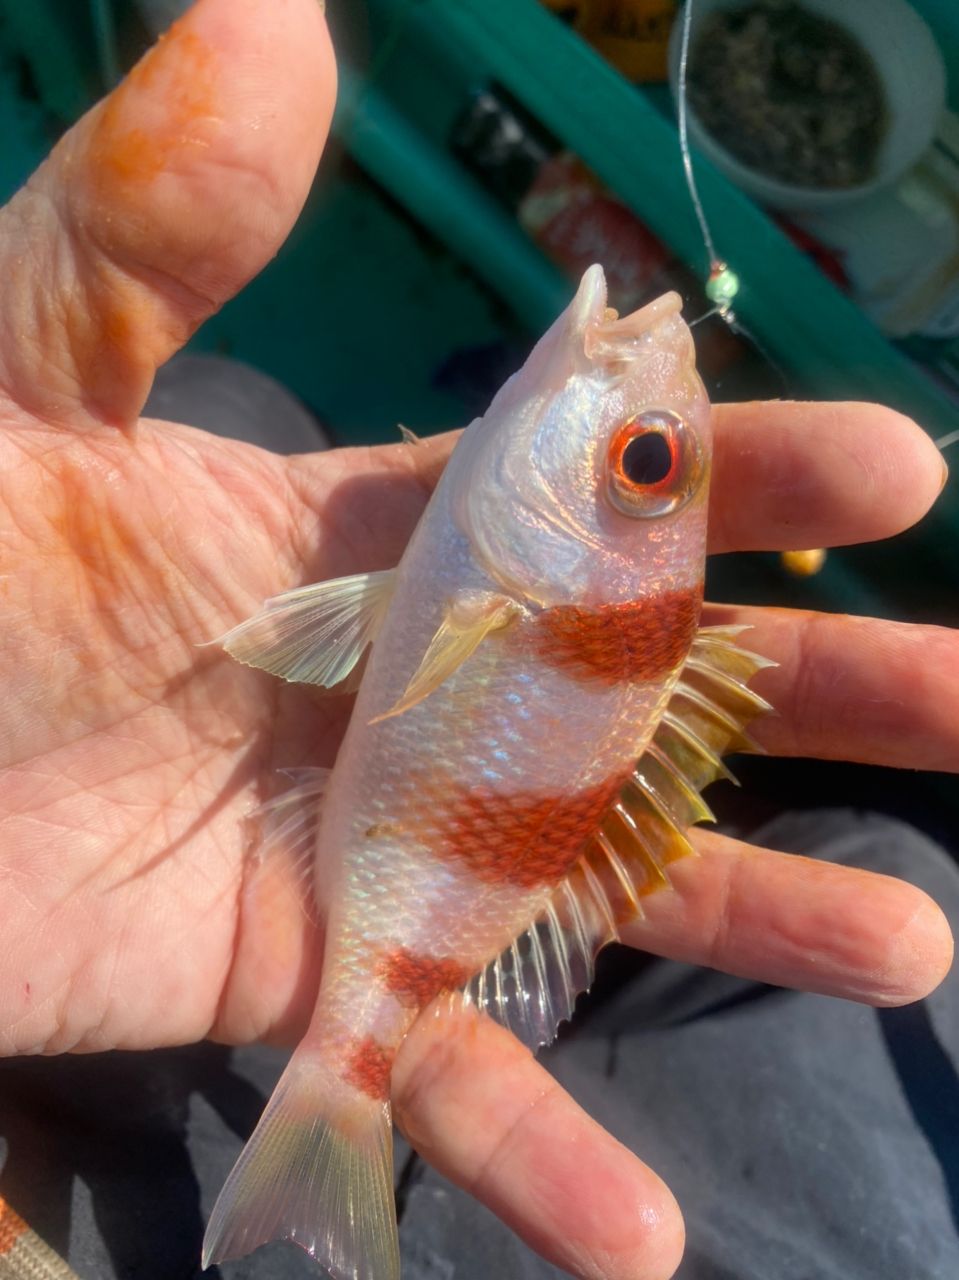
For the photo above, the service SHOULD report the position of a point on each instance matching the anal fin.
(286, 826)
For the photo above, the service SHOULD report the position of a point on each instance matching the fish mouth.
(647, 317)
(609, 338)
(654, 329)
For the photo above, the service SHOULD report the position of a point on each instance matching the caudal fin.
(317, 1172)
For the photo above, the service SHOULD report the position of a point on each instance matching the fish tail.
(318, 1170)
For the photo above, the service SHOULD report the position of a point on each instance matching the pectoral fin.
(315, 634)
(467, 620)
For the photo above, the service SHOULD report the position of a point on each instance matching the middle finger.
(797, 922)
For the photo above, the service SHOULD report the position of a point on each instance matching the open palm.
(131, 913)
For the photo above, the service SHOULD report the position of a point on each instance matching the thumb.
(159, 205)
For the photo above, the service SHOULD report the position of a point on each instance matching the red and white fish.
(537, 715)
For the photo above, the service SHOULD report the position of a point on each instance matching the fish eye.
(653, 464)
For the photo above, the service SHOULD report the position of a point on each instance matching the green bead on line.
(722, 285)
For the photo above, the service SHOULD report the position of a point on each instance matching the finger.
(854, 688)
(797, 922)
(789, 475)
(159, 204)
(480, 1109)
(784, 476)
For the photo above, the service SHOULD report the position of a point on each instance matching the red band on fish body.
(368, 1068)
(415, 980)
(614, 643)
(523, 840)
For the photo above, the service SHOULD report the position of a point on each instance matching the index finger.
(791, 475)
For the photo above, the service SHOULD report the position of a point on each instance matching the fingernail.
(945, 475)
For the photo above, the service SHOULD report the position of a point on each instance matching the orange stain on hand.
(639, 640)
(416, 980)
(163, 108)
(119, 335)
(111, 551)
(521, 840)
(368, 1068)
(125, 303)
(105, 540)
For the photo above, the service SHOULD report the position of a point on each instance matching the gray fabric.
(233, 399)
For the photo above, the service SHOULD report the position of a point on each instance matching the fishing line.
(684, 136)
(945, 441)
(707, 315)
(722, 284)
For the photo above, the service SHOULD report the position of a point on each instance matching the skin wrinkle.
(170, 291)
(719, 942)
(805, 675)
(169, 559)
(106, 983)
(439, 1058)
(94, 277)
(507, 1138)
(813, 934)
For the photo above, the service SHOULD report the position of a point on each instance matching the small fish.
(537, 714)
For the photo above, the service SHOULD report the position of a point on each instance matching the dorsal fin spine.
(640, 835)
(600, 899)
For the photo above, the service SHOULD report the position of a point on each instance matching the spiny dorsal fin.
(532, 987)
(315, 634)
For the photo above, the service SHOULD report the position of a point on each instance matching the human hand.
(131, 913)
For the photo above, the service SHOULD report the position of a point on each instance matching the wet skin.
(130, 912)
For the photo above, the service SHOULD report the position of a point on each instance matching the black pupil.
(647, 459)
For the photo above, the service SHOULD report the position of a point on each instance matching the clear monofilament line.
(684, 139)
(945, 441)
(713, 311)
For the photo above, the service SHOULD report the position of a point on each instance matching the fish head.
(586, 480)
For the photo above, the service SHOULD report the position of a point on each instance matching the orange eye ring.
(653, 464)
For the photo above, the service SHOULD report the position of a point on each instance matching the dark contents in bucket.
(788, 93)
